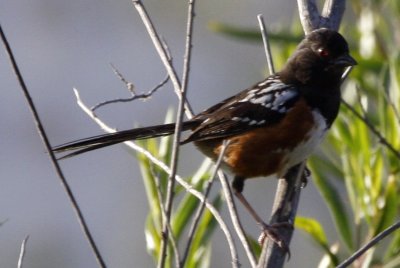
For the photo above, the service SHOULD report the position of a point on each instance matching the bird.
(269, 127)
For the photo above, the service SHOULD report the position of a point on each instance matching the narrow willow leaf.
(335, 204)
(317, 233)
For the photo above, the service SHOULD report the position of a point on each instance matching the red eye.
(323, 52)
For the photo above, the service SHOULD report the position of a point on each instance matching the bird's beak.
(345, 60)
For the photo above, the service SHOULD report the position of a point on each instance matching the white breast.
(305, 149)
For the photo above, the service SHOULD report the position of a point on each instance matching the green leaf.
(202, 238)
(253, 34)
(317, 233)
(334, 203)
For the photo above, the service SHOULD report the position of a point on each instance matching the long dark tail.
(100, 141)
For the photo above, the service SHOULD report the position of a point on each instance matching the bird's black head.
(320, 59)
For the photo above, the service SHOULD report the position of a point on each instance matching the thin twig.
(369, 245)
(372, 128)
(177, 136)
(164, 215)
(131, 88)
(236, 222)
(365, 120)
(267, 47)
(162, 52)
(200, 209)
(167, 170)
(22, 252)
(46, 142)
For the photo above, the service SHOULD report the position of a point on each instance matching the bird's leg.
(268, 230)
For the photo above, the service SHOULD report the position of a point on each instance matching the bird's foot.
(271, 231)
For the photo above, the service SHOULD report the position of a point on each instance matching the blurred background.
(64, 44)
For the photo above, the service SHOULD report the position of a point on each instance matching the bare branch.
(267, 47)
(177, 135)
(330, 18)
(22, 252)
(309, 15)
(131, 88)
(284, 210)
(235, 220)
(53, 159)
(369, 245)
(374, 130)
(162, 52)
(332, 14)
(166, 169)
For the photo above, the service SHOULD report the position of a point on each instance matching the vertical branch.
(177, 136)
(284, 211)
(22, 252)
(46, 142)
(309, 15)
(330, 18)
(162, 52)
(267, 47)
(332, 14)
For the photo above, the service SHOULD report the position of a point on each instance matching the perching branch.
(43, 135)
(177, 135)
(284, 211)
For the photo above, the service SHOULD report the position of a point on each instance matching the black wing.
(266, 103)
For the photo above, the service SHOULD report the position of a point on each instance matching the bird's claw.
(271, 231)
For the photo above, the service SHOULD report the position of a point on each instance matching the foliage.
(186, 205)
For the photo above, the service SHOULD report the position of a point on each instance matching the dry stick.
(162, 52)
(200, 209)
(284, 210)
(236, 222)
(22, 252)
(365, 120)
(369, 245)
(267, 47)
(164, 56)
(46, 142)
(177, 137)
(331, 17)
(131, 89)
(372, 128)
(164, 167)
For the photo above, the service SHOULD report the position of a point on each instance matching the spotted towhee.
(271, 126)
